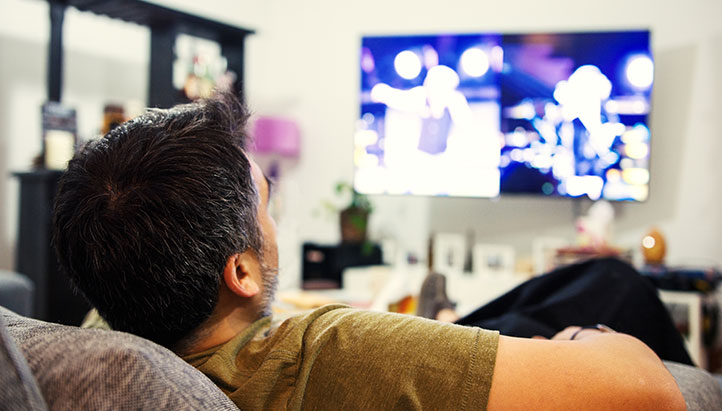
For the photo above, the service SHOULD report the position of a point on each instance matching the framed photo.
(685, 308)
(449, 253)
(493, 259)
(544, 252)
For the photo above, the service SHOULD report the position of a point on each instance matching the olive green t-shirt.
(339, 358)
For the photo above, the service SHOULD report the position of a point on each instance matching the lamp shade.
(273, 135)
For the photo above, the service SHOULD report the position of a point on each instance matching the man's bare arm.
(597, 371)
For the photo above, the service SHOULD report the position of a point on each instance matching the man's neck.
(225, 323)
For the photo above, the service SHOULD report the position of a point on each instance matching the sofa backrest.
(108, 370)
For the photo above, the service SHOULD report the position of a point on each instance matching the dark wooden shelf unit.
(54, 298)
(165, 24)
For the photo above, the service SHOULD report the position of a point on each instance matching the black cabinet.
(323, 265)
(54, 298)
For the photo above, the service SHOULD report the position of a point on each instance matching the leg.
(605, 291)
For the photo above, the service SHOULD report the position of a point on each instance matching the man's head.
(151, 220)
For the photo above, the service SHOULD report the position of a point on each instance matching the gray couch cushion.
(19, 390)
(109, 370)
(700, 390)
(16, 292)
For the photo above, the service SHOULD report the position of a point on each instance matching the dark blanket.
(606, 291)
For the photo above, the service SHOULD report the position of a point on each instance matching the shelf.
(153, 15)
(165, 24)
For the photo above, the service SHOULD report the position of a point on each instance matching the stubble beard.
(269, 277)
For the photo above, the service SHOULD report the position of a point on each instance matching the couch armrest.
(16, 292)
(19, 389)
(701, 390)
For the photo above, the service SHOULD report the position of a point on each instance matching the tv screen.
(429, 120)
(574, 114)
(478, 115)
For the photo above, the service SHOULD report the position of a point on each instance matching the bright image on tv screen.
(429, 119)
(574, 114)
(484, 114)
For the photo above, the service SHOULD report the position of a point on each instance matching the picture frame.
(544, 252)
(449, 253)
(685, 308)
(493, 259)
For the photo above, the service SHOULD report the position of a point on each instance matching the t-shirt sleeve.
(366, 360)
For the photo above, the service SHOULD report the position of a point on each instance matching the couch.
(51, 366)
(17, 292)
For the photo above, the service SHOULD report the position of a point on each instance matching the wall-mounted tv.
(478, 115)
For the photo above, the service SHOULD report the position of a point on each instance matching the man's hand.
(576, 332)
(566, 334)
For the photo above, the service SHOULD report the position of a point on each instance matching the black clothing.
(606, 291)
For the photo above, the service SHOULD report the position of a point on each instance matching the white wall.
(303, 63)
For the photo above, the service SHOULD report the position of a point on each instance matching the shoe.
(432, 297)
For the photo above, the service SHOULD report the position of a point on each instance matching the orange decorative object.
(654, 247)
(406, 305)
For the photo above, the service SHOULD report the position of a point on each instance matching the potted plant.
(355, 216)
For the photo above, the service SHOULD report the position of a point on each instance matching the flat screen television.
(479, 115)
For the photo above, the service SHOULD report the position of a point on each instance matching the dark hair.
(146, 217)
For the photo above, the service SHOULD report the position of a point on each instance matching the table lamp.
(276, 136)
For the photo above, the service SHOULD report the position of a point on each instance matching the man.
(163, 226)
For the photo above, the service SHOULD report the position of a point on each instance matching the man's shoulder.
(383, 328)
(379, 351)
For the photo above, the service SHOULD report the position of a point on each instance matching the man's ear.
(237, 274)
